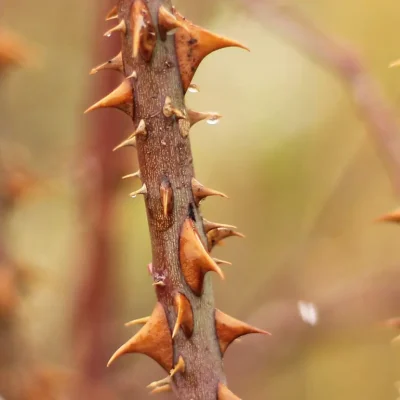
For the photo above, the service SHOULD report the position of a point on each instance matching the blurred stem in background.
(15, 371)
(344, 61)
(98, 183)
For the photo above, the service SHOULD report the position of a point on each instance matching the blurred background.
(299, 151)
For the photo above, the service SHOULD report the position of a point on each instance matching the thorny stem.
(165, 155)
(185, 334)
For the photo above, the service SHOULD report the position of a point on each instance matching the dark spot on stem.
(191, 213)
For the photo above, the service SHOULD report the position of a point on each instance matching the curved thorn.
(143, 31)
(115, 64)
(134, 175)
(229, 329)
(195, 259)
(215, 236)
(169, 110)
(167, 22)
(113, 14)
(211, 117)
(121, 98)
(121, 27)
(200, 192)
(184, 317)
(153, 339)
(139, 321)
(133, 75)
(161, 382)
(162, 389)
(208, 225)
(142, 190)
(180, 367)
(222, 262)
(193, 44)
(130, 142)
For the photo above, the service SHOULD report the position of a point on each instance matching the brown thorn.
(200, 192)
(221, 262)
(133, 75)
(169, 110)
(130, 142)
(229, 329)
(167, 22)
(184, 317)
(180, 367)
(193, 44)
(139, 321)
(114, 64)
(195, 259)
(211, 117)
(215, 236)
(113, 14)
(141, 129)
(134, 175)
(208, 225)
(121, 27)
(154, 340)
(143, 31)
(162, 389)
(142, 190)
(162, 382)
(121, 98)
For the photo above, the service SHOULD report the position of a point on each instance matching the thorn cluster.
(147, 28)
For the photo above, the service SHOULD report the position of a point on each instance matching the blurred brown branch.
(345, 62)
(98, 185)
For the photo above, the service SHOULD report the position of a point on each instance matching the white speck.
(193, 88)
(163, 142)
(108, 35)
(213, 121)
(308, 312)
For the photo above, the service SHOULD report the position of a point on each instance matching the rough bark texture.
(185, 334)
(165, 155)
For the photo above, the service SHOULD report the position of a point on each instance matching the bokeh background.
(297, 151)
